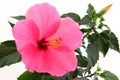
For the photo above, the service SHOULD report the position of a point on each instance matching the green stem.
(92, 28)
(89, 75)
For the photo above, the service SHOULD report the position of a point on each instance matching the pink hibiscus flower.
(46, 41)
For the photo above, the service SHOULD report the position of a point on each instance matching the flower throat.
(54, 42)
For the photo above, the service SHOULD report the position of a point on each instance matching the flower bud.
(105, 9)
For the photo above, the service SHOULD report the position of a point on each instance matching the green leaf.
(29, 76)
(92, 24)
(95, 78)
(100, 25)
(87, 20)
(113, 40)
(91, 11)
(81, 79)
(68, 76)
(100, 14)
(84, 30)
(10, 43)
(46, 77)
(74, 16)
(74, 74)
(8, 53)
(107, 75)
(92, 38)
(93, 55)
(81, 72)
(82, 60)
(60, 78)
(102, 19)
(11, 24)
(100, 41)
(18, 17)
(84, 79)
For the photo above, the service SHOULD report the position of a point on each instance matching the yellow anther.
(55, 42)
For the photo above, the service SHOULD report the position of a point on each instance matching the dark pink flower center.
(42, 44)
(54, 42)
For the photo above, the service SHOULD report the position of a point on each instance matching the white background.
(19, 7)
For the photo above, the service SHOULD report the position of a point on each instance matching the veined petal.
(70, 33)
(58, 62)
(25, 32)
(34, 58)
(31, 57)
(45, 17)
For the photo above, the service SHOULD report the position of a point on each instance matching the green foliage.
(87, 20)
(100, 41)
(90, 18)
(20, 17)
(81, 79)
(93, 55)
(29, 76)
(91, 11)
(17, 18)
(8, 53)
(97, 37)
(35, 76)
(95, 78)
(74, 16)
(82, 60)
(113, 41)
(107, 75)
(44, 76)
(11, 24)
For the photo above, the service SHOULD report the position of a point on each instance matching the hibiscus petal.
(25, 32)
(46, 18)
(69, 32)
(34, 59)
(58, 62)
(30, 57)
